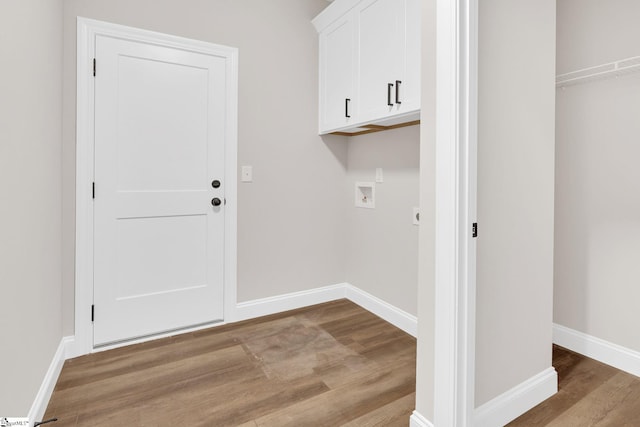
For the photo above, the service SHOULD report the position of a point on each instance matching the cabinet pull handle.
(389, 87)
(346, 107)
(398, 82)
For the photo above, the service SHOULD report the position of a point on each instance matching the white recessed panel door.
(159, 144)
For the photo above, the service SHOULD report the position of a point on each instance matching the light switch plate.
(379, 175)
(247, 174)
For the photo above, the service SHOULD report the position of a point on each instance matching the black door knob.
(216, 202)
(215, 183)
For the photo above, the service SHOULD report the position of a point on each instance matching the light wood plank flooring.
(327, 365)
(590, 394)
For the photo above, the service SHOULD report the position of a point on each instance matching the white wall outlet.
(416, 216)
(379, 175)
(246, 174)
(365, 195)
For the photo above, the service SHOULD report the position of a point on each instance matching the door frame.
(87, 30)
(456, 211)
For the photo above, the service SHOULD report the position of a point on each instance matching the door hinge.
(93, 190)
(474, 230)
(93, 312)
(94, 67)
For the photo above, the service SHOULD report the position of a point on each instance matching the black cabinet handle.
(389, 87)
(398, 82)
(346, 107)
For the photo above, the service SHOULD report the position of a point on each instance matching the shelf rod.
(599, 72)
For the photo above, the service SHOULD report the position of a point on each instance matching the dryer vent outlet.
(365, 195)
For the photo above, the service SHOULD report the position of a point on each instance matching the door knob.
(215, 183)
(216, 202)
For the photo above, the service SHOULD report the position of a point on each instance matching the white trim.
(83, 342)
(417, 420)
(456, 140)
(515, 402)
(69, 343)
(603, 351)
(87, 30)
(397, 317)
(41, 401)
(333, 12)
(279, 303)
(231, 189)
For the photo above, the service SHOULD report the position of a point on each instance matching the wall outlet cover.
(246, 174)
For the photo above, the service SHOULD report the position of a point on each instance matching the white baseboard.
(398, 318)
(49, 382)
(417, 420)
(515, 402)
(74, 349)
(603, 351)
(277, 304)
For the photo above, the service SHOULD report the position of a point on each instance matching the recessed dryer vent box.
(365, 195)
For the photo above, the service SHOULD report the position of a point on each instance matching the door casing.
(87, 30)
(456, 211)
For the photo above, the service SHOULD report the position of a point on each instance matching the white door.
(159, 145)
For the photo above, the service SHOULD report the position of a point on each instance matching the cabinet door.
(410, 86)
(337, 74)
(389, 52)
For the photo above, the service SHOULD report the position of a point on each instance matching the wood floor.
(590, 394)
(333, 364)
(328, 365)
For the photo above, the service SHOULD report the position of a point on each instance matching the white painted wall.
(594, 32)
(30, 216)
(291, 223)
(515, 193)
(382, 243)
(597, 268)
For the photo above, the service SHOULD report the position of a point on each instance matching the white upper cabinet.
(369, 64)
(337, 68)
(384, 58)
